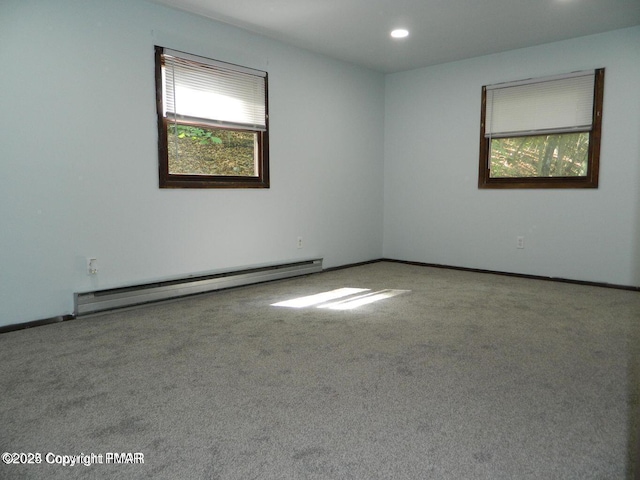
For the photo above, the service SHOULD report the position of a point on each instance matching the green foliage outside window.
(202, 151)
(196, 134)
(559, 155)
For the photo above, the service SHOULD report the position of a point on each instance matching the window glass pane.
(197, 150)
(561, 155)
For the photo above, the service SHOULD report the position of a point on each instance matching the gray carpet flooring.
(466, 376)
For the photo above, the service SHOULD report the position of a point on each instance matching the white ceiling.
(357, 31)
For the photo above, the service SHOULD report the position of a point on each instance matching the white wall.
(79, 157)
(434, 211)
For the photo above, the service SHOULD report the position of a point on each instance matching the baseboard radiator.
(102, 300)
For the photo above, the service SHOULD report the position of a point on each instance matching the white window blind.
(214, 93)
(547, 105)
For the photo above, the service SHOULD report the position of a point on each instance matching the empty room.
(356, 239)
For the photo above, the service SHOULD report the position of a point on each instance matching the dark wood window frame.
(169, 180)
(593, 162)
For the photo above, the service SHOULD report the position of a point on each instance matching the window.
(212, 123)
(542, 133)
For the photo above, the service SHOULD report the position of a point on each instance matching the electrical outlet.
(92, 266)
(519, 242)
(299, 242)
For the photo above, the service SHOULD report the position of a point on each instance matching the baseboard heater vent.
(101, 300)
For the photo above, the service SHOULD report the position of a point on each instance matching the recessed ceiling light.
(400, 33)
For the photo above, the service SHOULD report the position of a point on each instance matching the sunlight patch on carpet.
(340, 298)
